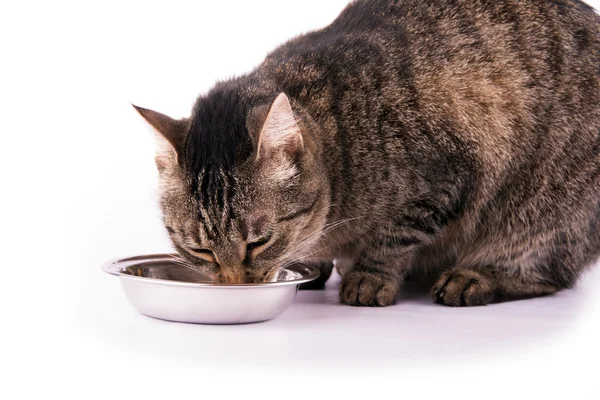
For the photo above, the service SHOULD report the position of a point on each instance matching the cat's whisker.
(186, 264)
(326, 229)
(322, 232)
(311, 239)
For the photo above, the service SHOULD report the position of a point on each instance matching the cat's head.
(242, 191)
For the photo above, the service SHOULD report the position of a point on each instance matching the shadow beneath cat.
(416, 328)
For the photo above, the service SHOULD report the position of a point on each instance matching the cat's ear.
(280, 132)
(170, 135)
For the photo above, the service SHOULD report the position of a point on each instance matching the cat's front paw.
(366, 289)
(464, 287)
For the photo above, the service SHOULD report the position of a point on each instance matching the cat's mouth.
(245, 277)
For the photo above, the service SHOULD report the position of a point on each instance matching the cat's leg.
(325, 268)
(343, 265)
(375, 278)
(558, 262)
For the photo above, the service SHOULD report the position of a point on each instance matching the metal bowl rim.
(117, 265)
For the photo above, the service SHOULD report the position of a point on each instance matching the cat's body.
(431, 136)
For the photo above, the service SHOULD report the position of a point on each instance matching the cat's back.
(516, 80)
(497, 71)
(494, 48)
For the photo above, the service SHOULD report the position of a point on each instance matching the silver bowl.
(157, 286)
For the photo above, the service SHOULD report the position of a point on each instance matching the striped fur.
(456, 138)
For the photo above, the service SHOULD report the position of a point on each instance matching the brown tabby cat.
(459, 138)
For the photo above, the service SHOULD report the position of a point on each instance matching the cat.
(458, 139)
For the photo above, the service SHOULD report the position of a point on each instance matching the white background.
(79, 187)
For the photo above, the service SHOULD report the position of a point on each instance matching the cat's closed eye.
(253, 248)
(204, 254)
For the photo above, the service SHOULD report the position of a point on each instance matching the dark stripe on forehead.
(217, 142)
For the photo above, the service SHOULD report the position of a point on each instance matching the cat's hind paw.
(464, 287)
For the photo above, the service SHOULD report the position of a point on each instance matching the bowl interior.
(166, 267)
(171, 271)
(166, 271)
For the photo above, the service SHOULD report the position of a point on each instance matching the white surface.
(79, 182)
